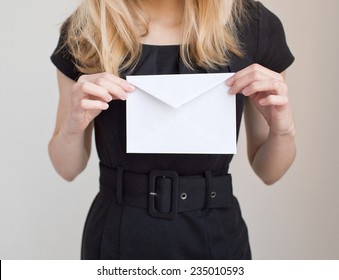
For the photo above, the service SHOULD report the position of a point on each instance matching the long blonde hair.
(104, 35)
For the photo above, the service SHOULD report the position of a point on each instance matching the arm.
(79, 103)
(269, 123)
(69, 152)
(270, 154)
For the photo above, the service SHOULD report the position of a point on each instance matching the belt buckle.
(154, 174)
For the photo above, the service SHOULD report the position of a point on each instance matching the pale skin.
(268, 116)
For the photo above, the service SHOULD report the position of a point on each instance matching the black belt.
(164, 193)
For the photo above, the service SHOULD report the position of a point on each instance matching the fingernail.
(105, 106)
(124, 96)
(131, 88)
(229, 81)
(109, 99)
(231, 91)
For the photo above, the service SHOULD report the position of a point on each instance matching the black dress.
(119, 224)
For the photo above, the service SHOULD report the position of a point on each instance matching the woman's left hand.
(269, 94)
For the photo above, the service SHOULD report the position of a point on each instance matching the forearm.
(68, 153)
(274, 157)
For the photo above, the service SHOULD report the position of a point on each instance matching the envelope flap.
(177, 90)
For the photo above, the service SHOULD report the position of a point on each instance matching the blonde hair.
(104, 35)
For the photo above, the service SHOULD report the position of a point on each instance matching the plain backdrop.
(42, 216)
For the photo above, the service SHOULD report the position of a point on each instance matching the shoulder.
(263, 37)
(257, 20)
(256, 12)
(62, 57)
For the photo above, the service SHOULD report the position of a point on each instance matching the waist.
(164, 193)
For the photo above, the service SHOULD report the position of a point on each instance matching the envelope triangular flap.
(176, 90)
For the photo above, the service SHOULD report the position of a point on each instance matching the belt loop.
(120, 173)
(208, 175)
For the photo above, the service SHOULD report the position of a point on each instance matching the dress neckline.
(160, 46)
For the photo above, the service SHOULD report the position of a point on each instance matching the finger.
(123, 83)
(254, 71)
(274, 86)
(113, 88)
(258, 68)
(274, 100)
(117, 92)
(93, 90)
(98, 78)
(87, 104)
(244, 81)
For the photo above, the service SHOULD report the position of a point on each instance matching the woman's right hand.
(91, 95)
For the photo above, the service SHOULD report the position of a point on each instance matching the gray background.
(42, 216)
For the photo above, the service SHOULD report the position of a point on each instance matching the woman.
(187, 209)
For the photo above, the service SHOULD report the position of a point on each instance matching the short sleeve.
(273, 51)
(62, 58)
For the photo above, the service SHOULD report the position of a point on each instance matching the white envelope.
(181, 114)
